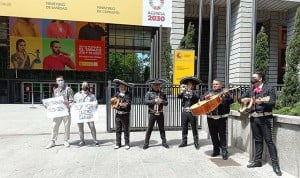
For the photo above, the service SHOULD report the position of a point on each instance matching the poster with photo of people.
(56, 45)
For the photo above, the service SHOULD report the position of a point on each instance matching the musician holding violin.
(156, 100)
(217, 119)
(261, 120)
(122, 103)
(189, 97)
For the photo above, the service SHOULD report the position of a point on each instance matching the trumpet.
(183, 87)
(156, 106)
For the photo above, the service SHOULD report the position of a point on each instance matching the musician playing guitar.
(189, 97)
(123, 112)
(261, 119)
(217, 119)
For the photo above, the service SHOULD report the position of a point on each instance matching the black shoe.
(214, 154)
(197, 146)
(182, 145)
(254, 164)
(96, 143)
(145, 146)
(165, 145)
(277, 170)
(81, 143)
(225, 155)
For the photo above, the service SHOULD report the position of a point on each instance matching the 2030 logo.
(154, 15)
(156, 7)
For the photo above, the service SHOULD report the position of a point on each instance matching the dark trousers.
(261, 128)
(217, 130)
(186, 118)
(81, 130)
(160, 122)
(122, 122)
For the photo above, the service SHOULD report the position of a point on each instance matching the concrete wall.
(177, 30)
(240, 42)
(286, 138)
(219, 44)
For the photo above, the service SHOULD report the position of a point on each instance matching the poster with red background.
(90, 55)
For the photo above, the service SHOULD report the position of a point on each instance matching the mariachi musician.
(217, 119)
(156, 100)
(189, 97)
(261, 119)
(122, 103)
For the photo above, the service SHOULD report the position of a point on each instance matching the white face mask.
(61, 83)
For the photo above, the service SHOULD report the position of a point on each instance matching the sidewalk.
(24, 133)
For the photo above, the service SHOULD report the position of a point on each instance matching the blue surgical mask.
(61, 83)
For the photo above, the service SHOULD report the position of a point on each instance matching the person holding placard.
(67, 93)
(85, 96)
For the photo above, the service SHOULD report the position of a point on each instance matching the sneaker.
(81, 143)
(67, 144)
(117, 147)
(127, 147)
(50, 145)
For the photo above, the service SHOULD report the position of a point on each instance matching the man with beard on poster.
(58, 60)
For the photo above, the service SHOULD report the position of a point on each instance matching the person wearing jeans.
(85, 96)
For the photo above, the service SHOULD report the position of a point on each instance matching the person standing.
(217, 119)
(85, 96)
(122, 103)
(261, 120)
(67, 93)
(91, 31)
(156, 99)
(20, 59)
(189, 97)
(25, 27)
(58, 59)
(60, 29)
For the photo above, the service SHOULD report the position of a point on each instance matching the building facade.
(239, 21)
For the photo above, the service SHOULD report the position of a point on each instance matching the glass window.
(129, 52)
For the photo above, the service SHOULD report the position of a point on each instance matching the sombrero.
(120, 82)
(155, 81)
(192, 79)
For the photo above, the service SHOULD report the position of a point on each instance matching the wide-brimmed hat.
(120, 82)
(192, 79)
(155, 81)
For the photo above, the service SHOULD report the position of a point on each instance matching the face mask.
(253, 80)
(85, 88)
(61, 83)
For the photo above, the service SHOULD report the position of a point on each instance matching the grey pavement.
(24, 133)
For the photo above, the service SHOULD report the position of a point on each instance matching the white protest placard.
(84, 112)
(55, 107)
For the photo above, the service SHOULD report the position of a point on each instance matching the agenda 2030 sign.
(132, 12)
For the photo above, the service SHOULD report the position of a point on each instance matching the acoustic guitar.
(206, 106)
(246, 108)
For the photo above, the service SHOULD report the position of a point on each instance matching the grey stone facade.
(270, 13)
